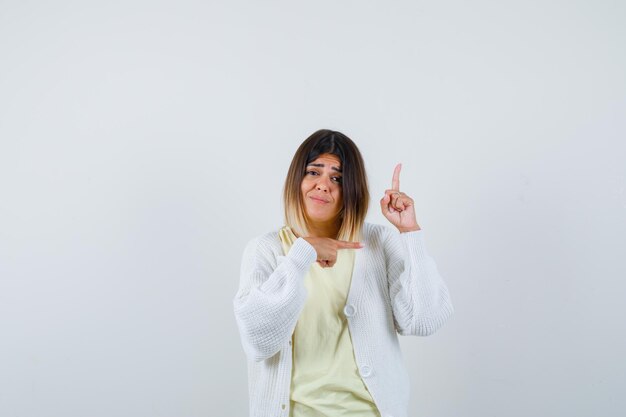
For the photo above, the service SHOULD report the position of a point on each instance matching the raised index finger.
(395, 182)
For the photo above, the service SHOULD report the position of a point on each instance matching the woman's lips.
(319, 200)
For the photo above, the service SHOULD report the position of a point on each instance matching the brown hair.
(354, 183)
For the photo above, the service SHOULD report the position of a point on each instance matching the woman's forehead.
(327, 158)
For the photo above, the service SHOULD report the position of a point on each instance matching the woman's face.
(321, 188)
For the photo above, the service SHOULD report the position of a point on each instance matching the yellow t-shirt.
(325, 381)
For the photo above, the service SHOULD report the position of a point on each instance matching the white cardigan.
(395, 288)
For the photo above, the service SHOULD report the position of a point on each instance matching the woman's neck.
(324, 229)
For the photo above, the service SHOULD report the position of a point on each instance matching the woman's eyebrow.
(322, 166)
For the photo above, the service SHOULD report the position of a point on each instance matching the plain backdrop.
(143, 143)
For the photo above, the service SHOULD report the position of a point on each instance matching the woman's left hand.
(398, 207)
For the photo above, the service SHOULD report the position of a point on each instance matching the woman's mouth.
(318, 200)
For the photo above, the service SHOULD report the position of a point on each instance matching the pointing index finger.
(395, 182)
(342, 244)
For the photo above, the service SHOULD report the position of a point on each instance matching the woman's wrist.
(409, 229)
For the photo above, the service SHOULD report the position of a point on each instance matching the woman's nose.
(322, 184)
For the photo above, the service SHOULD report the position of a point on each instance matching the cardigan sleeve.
(271, 295)
(419, 297)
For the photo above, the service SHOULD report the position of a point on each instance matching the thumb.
(384, 202)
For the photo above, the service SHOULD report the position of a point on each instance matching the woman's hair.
(354, 183)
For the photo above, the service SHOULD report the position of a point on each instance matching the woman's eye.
(335, 179)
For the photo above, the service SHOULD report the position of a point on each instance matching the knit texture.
(395, 288)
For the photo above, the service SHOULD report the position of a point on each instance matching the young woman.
(322, 299)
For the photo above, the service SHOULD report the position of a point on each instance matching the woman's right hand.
(327, 248)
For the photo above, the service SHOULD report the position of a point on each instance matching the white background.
(143, 143)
